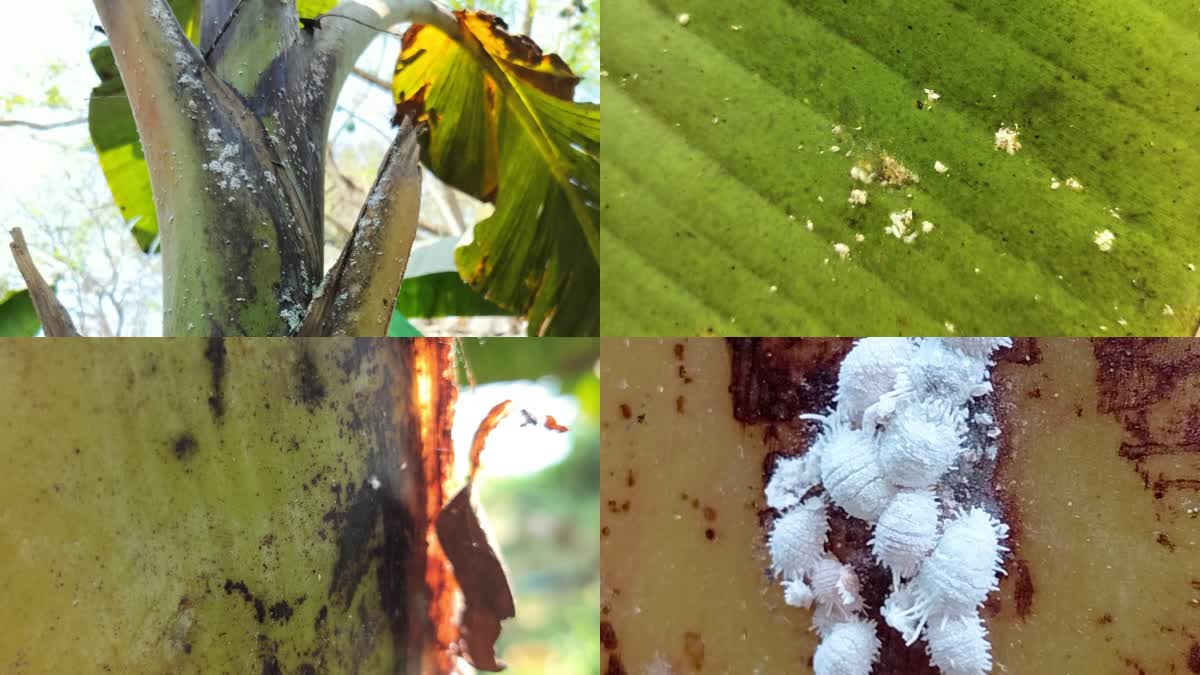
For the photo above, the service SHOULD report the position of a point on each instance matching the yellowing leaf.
(503, 127)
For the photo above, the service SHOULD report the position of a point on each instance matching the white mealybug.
(906, 532)
(961, 571)
(921, 443)
(798, 538)
(959, 645)
(868, 372)
(848, 648)
(897, 612)
(939, 372)
(835, 585)
(797, 593)
(792, 478)
(978, 347)
(851, 473)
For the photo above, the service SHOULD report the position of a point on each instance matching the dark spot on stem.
(608, 636)
(215, 354)
(185, 446)
(281, 611)
(260, 611)
(312, 390)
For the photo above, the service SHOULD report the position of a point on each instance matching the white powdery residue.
(214, 135)
(931, 95)
(683, 19)
(949, 327)
(860, 237)
(1006, 139)
(1074, 184)
(808, 225)
(939, 167)
(187, 79)
(842, 250)
(926, 226)
(1168, 311)
(862, 174)
(857, 197)
(834, 148)
(1104, 240)
(375, 482)
(1054, 183)
(900, 222)
(293, 317)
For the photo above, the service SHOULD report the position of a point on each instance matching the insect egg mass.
(899, 452)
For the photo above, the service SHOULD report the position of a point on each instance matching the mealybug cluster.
(899, 429)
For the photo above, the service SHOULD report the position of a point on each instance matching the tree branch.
(42, 127)
(377, 81)
(359, 292)
(55, 320)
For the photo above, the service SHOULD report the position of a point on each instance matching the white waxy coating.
(959, 645)
(798, 538)
(792, 478)
(906, 532)
(868, 372)
(962, 569)
(921, 443)
(851, 473)
(797, 593)
(849, 648)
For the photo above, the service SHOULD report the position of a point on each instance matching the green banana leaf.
(733, 127)
(501, 359)
(443, 294)
(400, 327)
(18, 318)
(115, 135)
(503, 127)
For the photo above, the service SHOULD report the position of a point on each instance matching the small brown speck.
(630, 479)
(642, 418)
(709, 534)
(625, 505)
(1165, 541)
(604, 531)
(710, 514)
(678, 351)
(1035, 393)
(626, 411)
(679, 401)
(1105, 619)
(693, 646)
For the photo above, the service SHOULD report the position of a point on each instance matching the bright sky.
(513, 449)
